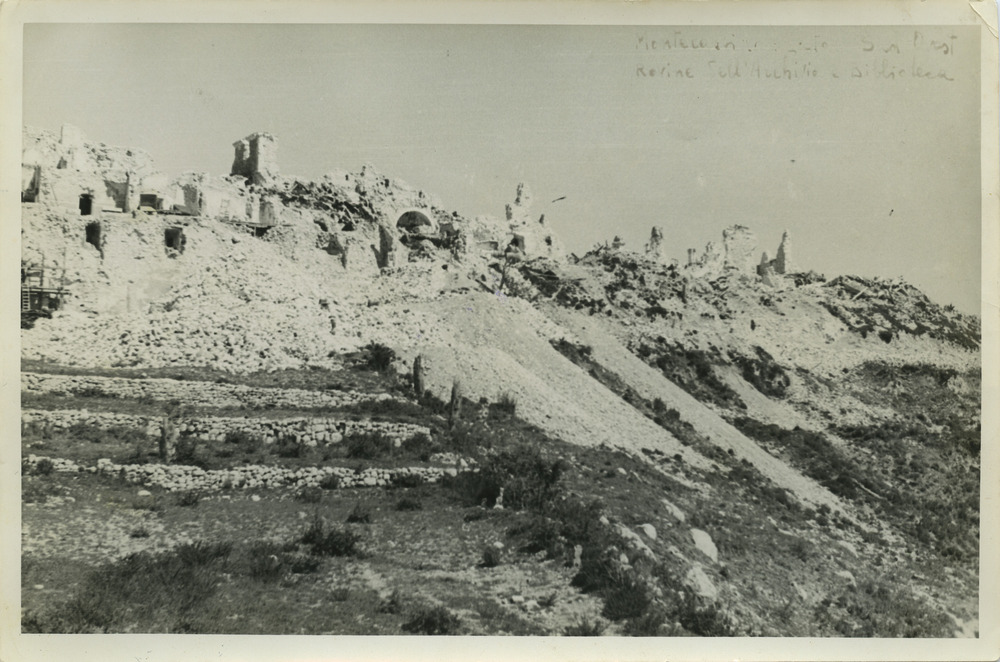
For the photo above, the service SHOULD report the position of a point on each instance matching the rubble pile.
(248, 271)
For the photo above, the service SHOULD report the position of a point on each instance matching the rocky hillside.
(852, 401)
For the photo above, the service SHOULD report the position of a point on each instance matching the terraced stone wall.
(193, 392)
(310, 431)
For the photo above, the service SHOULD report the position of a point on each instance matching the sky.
(861, 142)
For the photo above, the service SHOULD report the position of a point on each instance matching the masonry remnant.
(654, 249)
(387, 252)
(256, 159)
(783, 260)
(781, 264)
(740, 247)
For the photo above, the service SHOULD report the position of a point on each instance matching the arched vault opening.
(415, 220)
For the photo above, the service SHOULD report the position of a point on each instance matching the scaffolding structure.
(42, 288)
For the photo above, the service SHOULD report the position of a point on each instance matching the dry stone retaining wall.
(310, 431)
(193, 392)
(183, 478)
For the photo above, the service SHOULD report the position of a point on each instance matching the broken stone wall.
(256, 159)
(783, 263)
(740, 248)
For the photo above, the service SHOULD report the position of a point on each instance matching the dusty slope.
(593, 331)
(502, 346)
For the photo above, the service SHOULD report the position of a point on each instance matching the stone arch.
(416, 220)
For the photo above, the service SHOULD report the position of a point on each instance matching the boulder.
(703, 542)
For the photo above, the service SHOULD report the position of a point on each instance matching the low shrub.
(186, 450)
(44, 467)
(368, 445)
(137, 593)
(118, 434)
(378, 357)
(648, 624)
(335, 542)
(408, 503)
(406, 480)
(528, 480)
(244, 439)
(433, 621)
(266, 562)
(585, 628)
(420, 446)
(627, 598)
(491, 557)
(572, 351)
(309, 494)
(507, 404)
(290, 447)
(359, 515)
(315, 532)
(330, 482)
(202, 552)
(188, 498)
(392, 604)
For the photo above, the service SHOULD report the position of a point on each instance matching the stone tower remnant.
(783, 260)
(781, 264)
(654, 249)
(257, 159)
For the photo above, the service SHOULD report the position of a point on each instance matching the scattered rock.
(699, 582)
(704, 543)
(846, 574)
(649, 530)
(674, 511)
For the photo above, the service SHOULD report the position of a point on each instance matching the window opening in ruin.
(86, 204)
(518, 242)
(94, 235)
(149, 200)
(548, 241)
(260, 231)
(174, 240)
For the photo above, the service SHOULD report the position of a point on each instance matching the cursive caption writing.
(679, 55)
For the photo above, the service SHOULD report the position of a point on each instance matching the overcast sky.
(862, 142)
